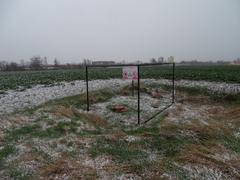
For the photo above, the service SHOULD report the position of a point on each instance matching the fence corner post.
(173, 84)
(86, 71)
(138, 95)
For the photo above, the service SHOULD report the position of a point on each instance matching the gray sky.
(119, 29)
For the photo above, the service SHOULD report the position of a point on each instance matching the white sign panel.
(130, 72)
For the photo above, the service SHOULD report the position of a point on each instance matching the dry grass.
(205, 148)
(116, 135)
(233, 113)
(169, 129)
(216, 110)
(213, 130)
(202, 155)
(69, 112)
(224, 113)
(194, 99)
(10, 122)
(13, 121)
(94, 119)
(29, 157)
(64, 111)
(228, 116)
(65, 168)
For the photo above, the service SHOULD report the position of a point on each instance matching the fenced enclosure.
(26, 89)
(128, 97)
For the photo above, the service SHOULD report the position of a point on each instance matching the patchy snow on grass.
(130, 117)
(13, 100)
(203, 172)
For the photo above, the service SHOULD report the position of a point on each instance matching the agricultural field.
(46, 132)
(27, 79)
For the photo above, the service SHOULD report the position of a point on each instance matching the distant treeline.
(38, 63)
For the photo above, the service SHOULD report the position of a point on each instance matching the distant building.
(103, 62)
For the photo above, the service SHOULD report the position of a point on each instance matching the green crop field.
(26, 79)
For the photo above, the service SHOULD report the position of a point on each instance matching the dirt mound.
(119, 108)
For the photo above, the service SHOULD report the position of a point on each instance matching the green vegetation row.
(26, 79)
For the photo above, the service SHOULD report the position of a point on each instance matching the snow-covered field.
(13, 100)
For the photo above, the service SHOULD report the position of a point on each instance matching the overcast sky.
(130, 30)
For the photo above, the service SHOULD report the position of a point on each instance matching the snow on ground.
(212, 86)
(130, 117)
(14, 100)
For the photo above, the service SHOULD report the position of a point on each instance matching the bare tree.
(153, 60)
(123, 62)
(22, 64)
(3, 65)
(56, 62)
(86, 62)
(12, 66)
(44, 61)
(36, 63)
(160, 59)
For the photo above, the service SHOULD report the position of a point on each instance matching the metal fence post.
(87, 88)
(138, 95)
(133, 88)
(173, 84)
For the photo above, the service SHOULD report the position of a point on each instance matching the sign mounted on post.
(130, 72)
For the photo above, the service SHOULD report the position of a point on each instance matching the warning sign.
(130, 72)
